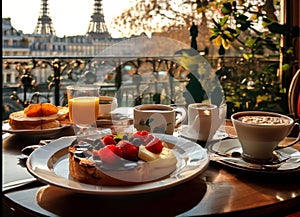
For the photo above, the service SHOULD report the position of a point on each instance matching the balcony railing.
(133, 80)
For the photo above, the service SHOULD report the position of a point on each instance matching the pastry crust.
(19, 121)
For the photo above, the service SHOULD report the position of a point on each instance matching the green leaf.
(227, 8)
(285, 67)
(278, 28)
(290, 51)
(248, 56)
(224, 20)
(250, 42)
(242, 17)
(214, 36)
(148, 121)
(244, 25)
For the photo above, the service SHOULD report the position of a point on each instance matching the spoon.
(235, 158)
(234, 154)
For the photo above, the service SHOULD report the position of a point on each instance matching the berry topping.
(136, 141)
(148, 138)
(113, 150)
(108, 140)
(155, 146)
(110, 154)
(130, 151)
(144, 136)
(142, 133)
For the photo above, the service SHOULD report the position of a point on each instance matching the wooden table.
(219, 191)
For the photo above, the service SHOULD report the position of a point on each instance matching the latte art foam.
(264, 120)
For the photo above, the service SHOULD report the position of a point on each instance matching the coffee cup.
(259, 133)
(158, 118)
(204, 119)
(106, 105)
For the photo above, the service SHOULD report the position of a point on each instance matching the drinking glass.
(83, 103)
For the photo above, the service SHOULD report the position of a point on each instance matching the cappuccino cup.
(259, 133)
(158, 118)
(204, 119)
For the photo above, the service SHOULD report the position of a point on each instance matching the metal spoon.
(235, 158)
(234, 154)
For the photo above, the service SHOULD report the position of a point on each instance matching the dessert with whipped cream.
(127, 160)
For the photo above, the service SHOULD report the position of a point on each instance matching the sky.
(69, 17)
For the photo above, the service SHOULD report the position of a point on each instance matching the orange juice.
(83, 110)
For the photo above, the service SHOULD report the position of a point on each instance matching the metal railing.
(32, 79)
(27, 79)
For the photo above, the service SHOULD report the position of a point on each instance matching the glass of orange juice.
(83, 103)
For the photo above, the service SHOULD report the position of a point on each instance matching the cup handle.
(183, 113)
(292, 143)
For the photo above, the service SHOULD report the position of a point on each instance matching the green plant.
(254, 29)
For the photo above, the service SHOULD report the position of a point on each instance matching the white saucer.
(227, 147)
(186, 133)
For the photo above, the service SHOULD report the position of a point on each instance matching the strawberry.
(108, 140)
(144, 136)
(139, 134)
(130, 151)
(148, 138)
(155, 146)
(110, 154)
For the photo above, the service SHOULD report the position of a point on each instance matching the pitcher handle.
(183, 115)
(294, 142)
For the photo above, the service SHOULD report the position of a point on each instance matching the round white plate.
(34, 132)
(50, 164)
(229, 146)
(219, 135)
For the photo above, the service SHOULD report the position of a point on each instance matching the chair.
(294, 96)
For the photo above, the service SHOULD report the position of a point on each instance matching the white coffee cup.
(260, 133)
(204, 119)
(157, 118)
(106, 105)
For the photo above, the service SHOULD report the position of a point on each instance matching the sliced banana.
(146, 155)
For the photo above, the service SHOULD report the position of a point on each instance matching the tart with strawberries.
(115, 160)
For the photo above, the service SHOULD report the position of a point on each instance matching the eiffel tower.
(97, 27)
(44, 25)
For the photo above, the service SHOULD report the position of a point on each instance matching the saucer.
(222, 151)
(186, 133)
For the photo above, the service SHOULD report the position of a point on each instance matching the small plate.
(50, 164)
(35, 132)
(227, 147)
(219, 135)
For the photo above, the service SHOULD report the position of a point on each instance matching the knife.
(21, 184)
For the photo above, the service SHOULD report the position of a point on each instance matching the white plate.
(229, 146)
(50, 165)
(219, 135)
(34, 132)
